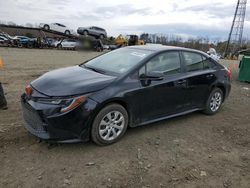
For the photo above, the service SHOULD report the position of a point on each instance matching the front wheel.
(101, 36)
(46, 27)
(59, 46)
(109, 125)
(214, 102)
(85, 33)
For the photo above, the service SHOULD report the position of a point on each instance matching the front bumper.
(44, 121)
(33, 122)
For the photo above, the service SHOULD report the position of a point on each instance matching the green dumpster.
(244, 74)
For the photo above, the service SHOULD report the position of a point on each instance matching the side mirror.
(152, 76)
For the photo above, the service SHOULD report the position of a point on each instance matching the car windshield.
(118, 61)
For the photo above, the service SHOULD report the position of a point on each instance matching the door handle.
(181, 82)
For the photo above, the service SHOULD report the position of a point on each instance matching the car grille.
(34, 123)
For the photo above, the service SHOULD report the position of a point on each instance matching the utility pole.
(235, 36)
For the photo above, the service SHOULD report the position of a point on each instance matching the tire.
(67, 32)
(19, 45)
(46, 27)
(29, 45)
(105, 130)
(101, 36)
(214, 102)
(85, 33)
(59, 46)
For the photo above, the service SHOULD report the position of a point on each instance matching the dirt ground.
(189, 151)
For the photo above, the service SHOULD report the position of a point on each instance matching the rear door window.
(208, 63)
(195, 62)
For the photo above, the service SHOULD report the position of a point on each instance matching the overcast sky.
(211, 18)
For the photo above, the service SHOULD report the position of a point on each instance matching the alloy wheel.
(215, 101)
(111, 125)
(67, 32)
(46, 27)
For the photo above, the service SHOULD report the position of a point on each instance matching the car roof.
(159, 48)
(96, 27)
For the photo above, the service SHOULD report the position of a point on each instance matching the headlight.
(75, 103)
(67, 104)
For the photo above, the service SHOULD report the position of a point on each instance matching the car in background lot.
(57, 27)
(127, 87)
(26, 41)
(4, 40)
(9, 40)
(50, 42)
(67, 43)
(92, 31)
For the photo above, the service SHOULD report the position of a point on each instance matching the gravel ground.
(189, 151)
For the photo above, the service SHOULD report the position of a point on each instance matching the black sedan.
(128, 87)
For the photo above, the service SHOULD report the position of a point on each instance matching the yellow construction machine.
(129, 40)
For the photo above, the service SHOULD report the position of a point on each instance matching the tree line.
(199, 43)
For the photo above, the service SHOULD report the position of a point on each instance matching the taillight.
(28, 90)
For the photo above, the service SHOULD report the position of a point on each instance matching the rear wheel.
(214, 102)
(85, 33)
(29, 45)
(67, 32)
(109, 125)
(46, 27)
(19, 45)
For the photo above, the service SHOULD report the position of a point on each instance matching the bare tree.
(11, 23)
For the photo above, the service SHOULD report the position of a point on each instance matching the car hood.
(71, 81)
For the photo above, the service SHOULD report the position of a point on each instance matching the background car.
(50, 42)
(127, 87)
(26, 41)
(67, 43)
(4, 41)
(7, 39)
(57, 27)
(93, 31)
